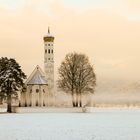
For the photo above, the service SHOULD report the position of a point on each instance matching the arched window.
(52, 51)
(37, 90)
(48, 50)
(48, 44)
(45, 51)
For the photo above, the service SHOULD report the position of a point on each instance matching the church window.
(37, 90)
(49, 51)
(45, 51)
(37, 103)
(52, 51)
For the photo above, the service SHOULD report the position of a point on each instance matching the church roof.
(37, 77)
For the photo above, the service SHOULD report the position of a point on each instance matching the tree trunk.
(1, 100)
(80, 100)
(73, 102)
(9, 104)
(76, 100)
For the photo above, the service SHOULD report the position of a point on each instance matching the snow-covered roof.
(37, 77)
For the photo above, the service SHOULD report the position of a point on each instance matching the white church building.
(40, 85)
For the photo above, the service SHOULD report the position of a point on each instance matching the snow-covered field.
(102, 124)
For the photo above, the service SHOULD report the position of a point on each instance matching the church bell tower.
(49, 59)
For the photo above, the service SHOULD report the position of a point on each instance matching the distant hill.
(117, 93)
(118, 86)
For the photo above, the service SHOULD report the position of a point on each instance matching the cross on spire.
(48, 30)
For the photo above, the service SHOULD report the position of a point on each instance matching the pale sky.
(108, 31)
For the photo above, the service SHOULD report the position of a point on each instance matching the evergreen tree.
(11, 80)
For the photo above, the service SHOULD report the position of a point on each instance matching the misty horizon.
(106, 31)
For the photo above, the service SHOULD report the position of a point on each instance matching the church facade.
(40, 85)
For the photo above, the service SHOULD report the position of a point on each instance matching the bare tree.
(67, 75)
(86, 79)
(76, 76)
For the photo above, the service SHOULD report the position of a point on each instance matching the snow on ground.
(102, 124)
